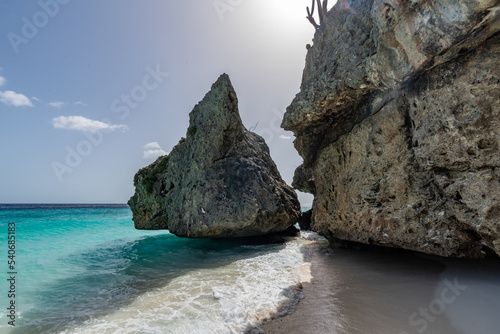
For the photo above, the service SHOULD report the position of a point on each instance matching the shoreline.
(304, 319)
(362, 291)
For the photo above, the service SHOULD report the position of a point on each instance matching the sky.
(91, 91)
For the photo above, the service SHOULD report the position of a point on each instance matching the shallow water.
(87, 270)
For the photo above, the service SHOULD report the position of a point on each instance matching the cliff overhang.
(397, 121)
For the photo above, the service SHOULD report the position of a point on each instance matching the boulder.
(303, 180)
(305, 220)
(220, 181)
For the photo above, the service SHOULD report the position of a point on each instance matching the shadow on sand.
(390, 291)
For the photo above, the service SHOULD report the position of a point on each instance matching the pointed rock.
(218, 182)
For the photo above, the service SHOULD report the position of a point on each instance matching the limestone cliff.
(220, 181)
(398, 121)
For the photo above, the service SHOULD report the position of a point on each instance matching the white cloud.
(285, 137)
(153, 150)
(14, 99)
(152, 146)
(80, 103)
(2, 81)
(80, 123)
(57, 104)
(34, 98)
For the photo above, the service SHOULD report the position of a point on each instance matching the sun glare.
(291, 14)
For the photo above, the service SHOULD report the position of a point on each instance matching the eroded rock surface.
(218, 182)
(303, 180)
(398, 118)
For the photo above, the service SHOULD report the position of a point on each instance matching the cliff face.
(218, 182)
(398, 121)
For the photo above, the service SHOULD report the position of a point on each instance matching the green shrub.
(191, 131)
(161, 166)
(151, 173)
(139, 173)
(148, 181)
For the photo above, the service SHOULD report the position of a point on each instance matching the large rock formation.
(218, 182)
(398, 119)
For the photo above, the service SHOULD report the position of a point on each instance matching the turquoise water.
(85, 269)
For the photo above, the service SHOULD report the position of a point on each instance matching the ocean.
(85, 269)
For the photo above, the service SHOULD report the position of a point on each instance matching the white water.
(231, 299)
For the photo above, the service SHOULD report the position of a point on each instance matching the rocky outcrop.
(220, 181)
(303, 180)
(398, 118)
(305, 220)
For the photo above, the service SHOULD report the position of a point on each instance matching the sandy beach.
(384, 292)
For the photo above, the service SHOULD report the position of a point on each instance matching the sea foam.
(235, 298)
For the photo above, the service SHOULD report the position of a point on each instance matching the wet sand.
(381, 292)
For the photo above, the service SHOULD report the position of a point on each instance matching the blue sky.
(91, 91)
